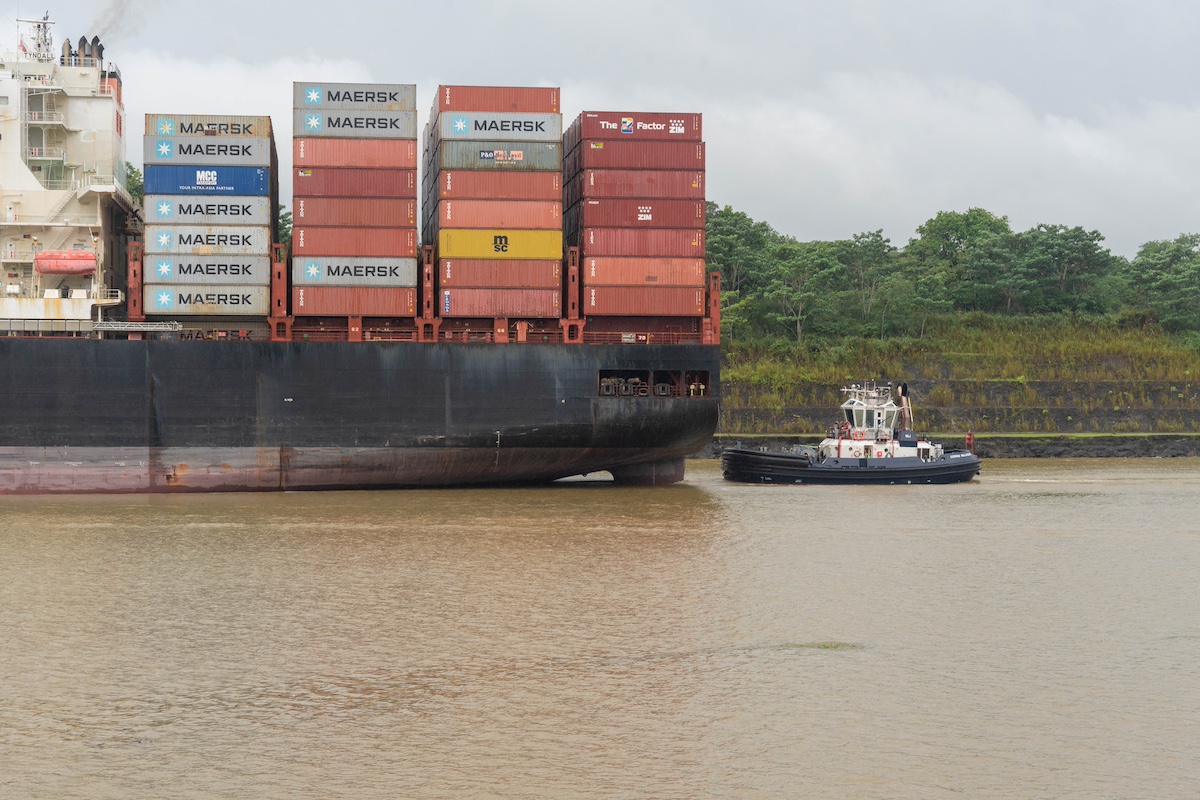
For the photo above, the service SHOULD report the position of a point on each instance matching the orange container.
(643, 272)
(631, 242)
(648, 183)
(524, 99)
(380, 242)
(356, 212)
(535, 303)
(480, 273)
(523, 215)
(360, 153)
(641, 301)
(344, 301)
(467, 185)
(345, 182)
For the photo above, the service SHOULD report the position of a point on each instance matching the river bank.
(1010, 445)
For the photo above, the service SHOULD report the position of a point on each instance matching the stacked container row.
(354, 213)
(211, 196)
(634, 192)
(493, 201)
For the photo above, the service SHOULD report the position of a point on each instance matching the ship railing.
(47, 153)
(656, 337)
(45, 116)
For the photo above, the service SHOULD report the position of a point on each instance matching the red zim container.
(466, 185)
(633, 154)
(538, 303)
(516, 214)
(666, 242)
(633, 125)
(643, 272)
(642, 301)
(522, 99)
(342, 301)
(358, 153)
(354, 212)
(378, 242)
(611, 212)
(339, 182)
(661, 184)
(495, 274)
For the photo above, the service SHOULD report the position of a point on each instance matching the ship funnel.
(97, 48)
(66, 52)
(83, 48)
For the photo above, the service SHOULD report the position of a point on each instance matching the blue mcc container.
(178, 179)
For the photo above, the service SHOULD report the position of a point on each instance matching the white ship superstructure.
(65, 214)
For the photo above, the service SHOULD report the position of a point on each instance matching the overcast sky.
(823, 118)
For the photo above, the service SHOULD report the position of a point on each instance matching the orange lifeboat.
(67, 262)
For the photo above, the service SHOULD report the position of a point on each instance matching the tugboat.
(872, 442)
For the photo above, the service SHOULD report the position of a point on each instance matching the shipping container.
(355, 124)
(334, 301)
(467, 185)
(497, 155)
(239, 270)
(642, 301)
(354, 212)
(174, 208)
(660, 184)
(612, 212)
(375, 242)
(609, 271)
(661, 242)
(526, 214)
(207, 125)
(533, 303)
(489, 273)
(354, 271)
(206, 300)
(191, 180)
(336, 182)
(232, 151)
(208, 240)
(528, 99)
(360, 153)
(500, 244)
(633, 125)
(634, 154)
(502, 126)
(313, 95)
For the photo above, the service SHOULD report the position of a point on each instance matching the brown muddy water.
(1035, 633)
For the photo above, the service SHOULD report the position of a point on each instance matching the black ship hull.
(81, 416)
(751, 466)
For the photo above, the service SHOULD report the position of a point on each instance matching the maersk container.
(610, 271)
(207, 125)
(240, 270)
(614, 212)
(355, 124)
(503, 126)
(642, 301)
(657, 242)
(208, 240)
(354, 271)
(354, 212)
(206, 300)
(220, 150)
(527, 99)
(498, 155)
(174, 208)
(492, 274)
(313, 95)
(192, 180)
(361, 153)
(534, 303)
(633, 154)
(659, 184)
(373, 242)
(527, 214)
(467, 185)
(633, 125)
(499, 244)
(344, 301)
(337, 182)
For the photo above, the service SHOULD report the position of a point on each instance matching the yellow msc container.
(462, 243)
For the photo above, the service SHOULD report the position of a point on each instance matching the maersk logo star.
(166, 127)
(313, 95)
(164, 239)
(312, 122)
(164, 269)
(164, 149)
(313, 270)
(164, 300)
(461, 124)
(164, 209)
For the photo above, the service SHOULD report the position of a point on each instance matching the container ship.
(532, 305)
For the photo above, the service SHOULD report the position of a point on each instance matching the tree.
(800, 279)
(1169, 274)
(134, 183)
(1068, 263)
(283, 225)
(942, 244)
(869, 259)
